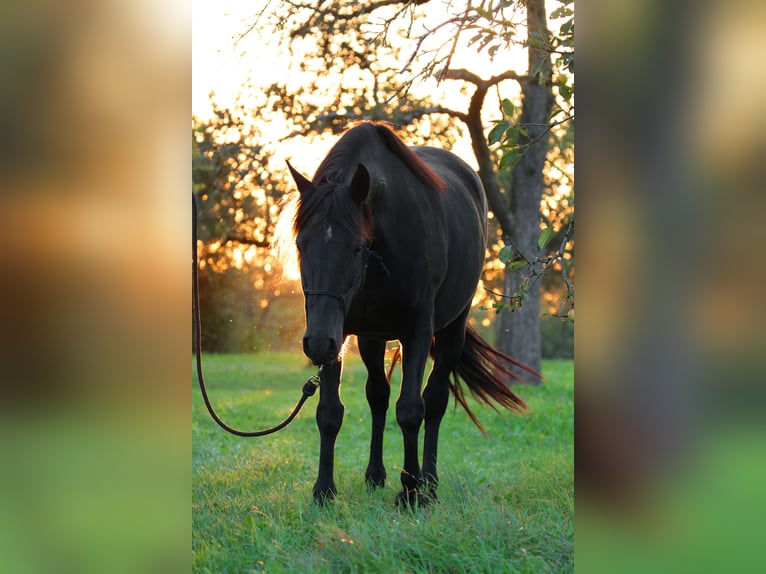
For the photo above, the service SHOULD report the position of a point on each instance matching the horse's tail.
(486, 372)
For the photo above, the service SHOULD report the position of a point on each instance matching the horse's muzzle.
(321, 350)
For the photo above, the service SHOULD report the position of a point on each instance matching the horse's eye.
(357, 249)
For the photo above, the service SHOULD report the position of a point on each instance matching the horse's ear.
(302, 182)
(360, 185)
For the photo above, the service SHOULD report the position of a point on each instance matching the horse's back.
(465, 214)
(456, 174)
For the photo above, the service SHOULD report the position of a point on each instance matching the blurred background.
(669, 448)
(94, 248)
(94, 287)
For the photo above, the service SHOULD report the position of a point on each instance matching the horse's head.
(333, 231)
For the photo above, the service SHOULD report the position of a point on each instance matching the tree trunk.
(519, 331)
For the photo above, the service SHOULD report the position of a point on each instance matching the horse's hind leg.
(378, 392)
(410, 407)
(448, 345)
(329, 418)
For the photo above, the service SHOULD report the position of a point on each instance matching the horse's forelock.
(329, 204)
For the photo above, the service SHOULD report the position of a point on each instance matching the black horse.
(391, 241)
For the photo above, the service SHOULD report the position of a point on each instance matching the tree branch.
(418, 113)
(468, 76)
(363, 8)
(405, 118)
(508, 75)
(534, 273)
(232, 238)
(455, 41)
(423, 37)
(548, 128)
(464, 75)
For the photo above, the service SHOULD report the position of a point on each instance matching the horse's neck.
(403, 228)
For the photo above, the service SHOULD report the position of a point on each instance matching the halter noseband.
(342, 298)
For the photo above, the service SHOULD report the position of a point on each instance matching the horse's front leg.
(378, 392)
(410, 410)
(329, 418)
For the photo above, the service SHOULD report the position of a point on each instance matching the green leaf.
(498, 131)
(523, 131)
(508, 107)
(536, 40)
(545, 236)
(475, 39)
(505, 254)
(515, 265)
(561, 12)
(490, 36)
(510, 159)
(482, 12)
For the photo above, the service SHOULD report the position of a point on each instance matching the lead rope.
(309, 387)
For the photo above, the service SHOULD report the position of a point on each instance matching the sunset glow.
(234, 64)
(223, 62)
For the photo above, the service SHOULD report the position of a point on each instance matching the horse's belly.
(373, 321)
(450, 304)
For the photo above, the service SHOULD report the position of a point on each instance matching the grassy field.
(506, 503)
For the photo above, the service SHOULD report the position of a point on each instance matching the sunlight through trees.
(490, 82)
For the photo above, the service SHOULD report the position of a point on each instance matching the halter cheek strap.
(343, 298)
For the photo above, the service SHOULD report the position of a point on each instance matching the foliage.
(506, 503)
(334, 98)
(231, 178)
(237, 316)
(512, 140)
(245, 304)
(509, 132)
(372, 60)
(560, 259)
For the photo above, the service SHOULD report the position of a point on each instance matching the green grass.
(506, 503)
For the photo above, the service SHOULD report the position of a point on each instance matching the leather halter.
(342, 298)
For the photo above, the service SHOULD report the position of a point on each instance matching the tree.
(355, 45)
(240, 280)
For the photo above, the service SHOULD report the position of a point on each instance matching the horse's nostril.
(320, 350)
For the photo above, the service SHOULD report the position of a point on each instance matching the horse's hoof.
(374, 484)
(324, 496)
(430, 487)
(375, 481)
(323, 499)
(413, 499)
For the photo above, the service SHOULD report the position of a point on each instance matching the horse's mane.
(334, 169)
(333, 166)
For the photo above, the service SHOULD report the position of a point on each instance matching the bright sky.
(220, 66)
(216, 63)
